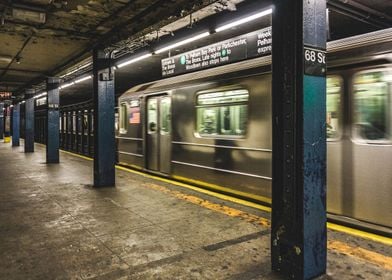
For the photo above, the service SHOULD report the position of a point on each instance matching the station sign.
(315, 62)
(5, 95)
(250, 45)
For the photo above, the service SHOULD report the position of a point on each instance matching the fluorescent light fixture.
(23, 102)
(133, 60)
(244, 20)
(67, 85)
(83, 79)
(40, 95)
(77, 69)
(5, 58)
(183, 42)
(29, 15)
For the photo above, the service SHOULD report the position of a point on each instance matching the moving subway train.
(213, 128)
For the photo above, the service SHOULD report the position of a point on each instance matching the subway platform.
(55, 225)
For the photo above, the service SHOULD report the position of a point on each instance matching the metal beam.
(52, 118)
(16, 125)
(104, 138)
(29, 122)
(298, 238)
(39, 27)
(22, 70)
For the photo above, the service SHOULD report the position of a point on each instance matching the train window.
(165, 115)
(92, 123)
(222, 113)
(73, 122)
(372, 109)
(152, 115)
(116, 119)
(85, 121)
(334, 90)
(65, 122)
(123, 118)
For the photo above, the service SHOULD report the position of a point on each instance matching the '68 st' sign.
(315, 62)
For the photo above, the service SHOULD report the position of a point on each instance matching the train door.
(158, 133)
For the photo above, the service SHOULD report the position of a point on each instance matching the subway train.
(213, 128)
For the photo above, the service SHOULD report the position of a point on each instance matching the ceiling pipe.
(367, 9)
(344, 9)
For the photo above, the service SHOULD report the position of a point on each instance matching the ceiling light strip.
(40, 95)
(83, 79)
(244, 20)
(67, 85)
(183, 42)
(133, 60)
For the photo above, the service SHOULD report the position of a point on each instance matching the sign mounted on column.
(315, 62)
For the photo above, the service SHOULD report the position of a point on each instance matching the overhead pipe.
(337, 6)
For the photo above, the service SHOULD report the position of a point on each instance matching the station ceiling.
(41, 38)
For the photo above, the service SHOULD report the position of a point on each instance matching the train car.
(213, 128)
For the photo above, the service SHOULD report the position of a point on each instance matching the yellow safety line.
(200, 190)
(212, 206)
(77, 155)
(220, 188)
(331, 226)
(356, 252)
(360, 233)
(360, 253)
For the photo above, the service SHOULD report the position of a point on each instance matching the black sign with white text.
(243, 47)
(315, 62)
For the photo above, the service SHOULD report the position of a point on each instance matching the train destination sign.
(254, 44)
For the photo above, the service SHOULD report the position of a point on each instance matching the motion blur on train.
(213, 128)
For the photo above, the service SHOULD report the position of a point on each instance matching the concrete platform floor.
(54, 225)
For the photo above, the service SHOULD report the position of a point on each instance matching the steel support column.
(104, 141)
(7, 124)
(16, 125)
(1, 120)
(29, 122)
(53, 120)
(298, 238)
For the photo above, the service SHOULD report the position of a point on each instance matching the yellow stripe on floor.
(213, 206)
(237, 213)
(360, 233)
(360, 253)
(356, 252)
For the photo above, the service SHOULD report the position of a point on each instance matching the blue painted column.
(1, 120)
(104, 141)
(298, 237)
(16, 125)
(29, 122)
(53, 120)
(7, 123)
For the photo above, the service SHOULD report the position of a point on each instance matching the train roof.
(381, 41)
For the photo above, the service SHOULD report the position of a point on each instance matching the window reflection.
(152, 115)
(334, 90)
(165, 115)
(372, 117)
(222, 113)
(123, 118)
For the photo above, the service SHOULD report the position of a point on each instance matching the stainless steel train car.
(213, 128)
